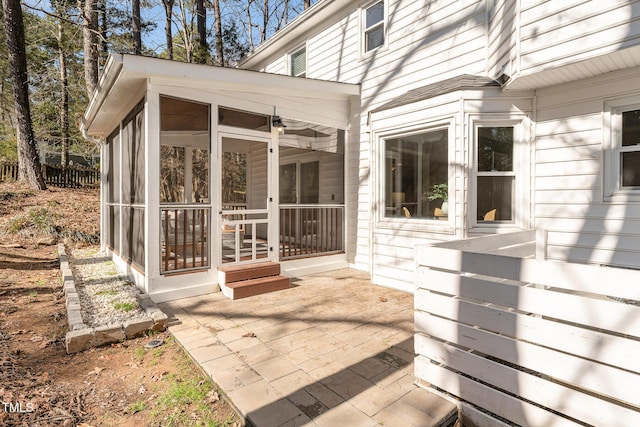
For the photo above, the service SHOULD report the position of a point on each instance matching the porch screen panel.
(133, 193)
(184, 186)
(138, 165)
(133, 235)
(172, 174)
(127, 162)
(113, 190)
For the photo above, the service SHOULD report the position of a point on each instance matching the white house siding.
(569, 200)
(426, 43)
(556, 33)
(331, 171)
(501, 36)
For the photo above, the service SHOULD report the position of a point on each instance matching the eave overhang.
(126, 76)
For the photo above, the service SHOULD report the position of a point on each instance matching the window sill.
(417, 225)
(622, 196)
(364, 56)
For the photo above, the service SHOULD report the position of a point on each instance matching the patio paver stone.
(333, 350)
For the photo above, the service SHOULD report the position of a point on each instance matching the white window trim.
(306, 59)
(363, 27)
(612, 128)
(415, 224)
(521, 171)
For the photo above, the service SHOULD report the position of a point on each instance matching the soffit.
(126, 76)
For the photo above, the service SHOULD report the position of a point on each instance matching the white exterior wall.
(424, 45)
(502, 40)
(539, 44)
(556, 33)
(570, 203)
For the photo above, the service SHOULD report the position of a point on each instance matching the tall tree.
(64, 99)
(218, 24)
(89, 10)
(201, 26)
(186, 32)
(28, 157)
(168, 22)
(137, 31)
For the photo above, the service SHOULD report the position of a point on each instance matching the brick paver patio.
(333, 350)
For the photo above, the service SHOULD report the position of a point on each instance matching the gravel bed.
(106, 297)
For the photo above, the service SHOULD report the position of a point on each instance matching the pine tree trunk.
(219, 46)
(137, 33)
(201, 24)
(168, 11)
(29, 168)
(64, 101)
(90, 40)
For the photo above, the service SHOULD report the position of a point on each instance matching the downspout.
(372, 193)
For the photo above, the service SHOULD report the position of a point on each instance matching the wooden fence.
(55, 175)
(526, 341)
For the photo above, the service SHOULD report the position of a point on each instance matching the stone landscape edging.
(82, 336)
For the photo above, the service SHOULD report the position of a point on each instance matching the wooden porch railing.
(184, 238)
(311, 230)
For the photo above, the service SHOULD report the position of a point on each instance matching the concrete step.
(238, 273)
(251, 287)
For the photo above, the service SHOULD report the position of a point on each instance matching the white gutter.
(110, 74)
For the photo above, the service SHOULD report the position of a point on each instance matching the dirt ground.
(122, 384)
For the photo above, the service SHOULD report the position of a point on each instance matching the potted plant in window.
(440, 191)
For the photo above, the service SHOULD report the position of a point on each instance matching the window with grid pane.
(299, 62)
(374, 26)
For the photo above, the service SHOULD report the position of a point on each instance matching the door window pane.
(234, 179)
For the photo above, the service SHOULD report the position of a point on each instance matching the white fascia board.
(205, 76)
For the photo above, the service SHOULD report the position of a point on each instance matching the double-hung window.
(623, 153)
(630, 150)
(298, 62)
(373, 23)
(496, 176)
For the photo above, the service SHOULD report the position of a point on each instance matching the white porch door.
(244, 199)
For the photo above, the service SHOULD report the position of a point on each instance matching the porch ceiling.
(126, 76)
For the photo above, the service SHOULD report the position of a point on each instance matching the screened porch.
(215, 214)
